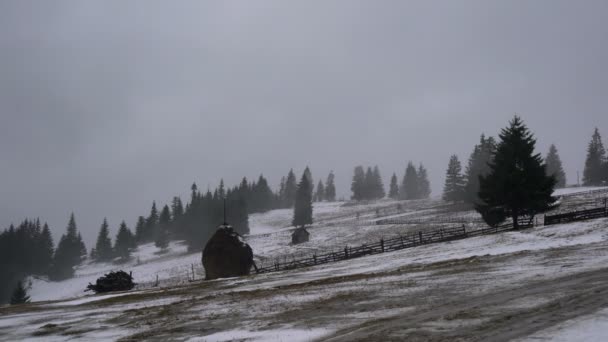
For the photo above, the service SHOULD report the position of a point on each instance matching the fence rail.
(389, 245)
(578, 215)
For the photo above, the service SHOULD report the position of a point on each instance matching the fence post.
(382, 245)
(346, 252)
(314, 257)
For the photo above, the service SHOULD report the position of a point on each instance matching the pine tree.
(554, 167)
(103, 247)
(161, 239)
(19, 294)
(302, 214)
(594, 164)
(140, 229)
(358, 184)
(424, 186)
(377, 184)
(310, 180)
(453, 191)
(394, 188)
(320, 193)
(290, 189)
(69, 252)
(478, 165)
(409, 185)
(124, 242)
(46, 250)
(151, 224)
(368, 185)
(517, 184)
(330, 188)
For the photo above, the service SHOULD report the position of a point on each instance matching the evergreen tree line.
(28, 249)
(123, 246)
(367, 185)
(286, 196)
(414, 184)
(596, 163)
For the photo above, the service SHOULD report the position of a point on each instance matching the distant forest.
(29, 248)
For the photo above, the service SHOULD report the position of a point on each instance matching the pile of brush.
(113, 281)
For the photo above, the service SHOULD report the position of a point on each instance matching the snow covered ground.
(547, 283)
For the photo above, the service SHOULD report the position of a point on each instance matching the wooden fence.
(578, 215)
(389, 245)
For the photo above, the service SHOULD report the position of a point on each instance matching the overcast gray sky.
(108, 105)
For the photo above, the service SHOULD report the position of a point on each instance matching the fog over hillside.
(107, 106)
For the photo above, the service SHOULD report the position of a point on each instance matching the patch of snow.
(287, 334)
(591, 328)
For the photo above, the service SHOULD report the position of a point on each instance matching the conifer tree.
(330, 188)
(290, 189)
(125, 242)
(453, 190)
(394, 188)
(281, 193)
(140, 229)
(377, 184)
(46, 250)
(358, 184)
(302, 214)
(517, 185)
(368, 185)
(151, 224)
(409, 185)
(593, 173)
(161, 239)
(310, 180)
(478, 165)
(103, 247)
(554, 167)
(424, 186)
(19, 294)
(69, 252)
(320, 193)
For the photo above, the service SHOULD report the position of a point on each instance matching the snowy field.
(545, 283)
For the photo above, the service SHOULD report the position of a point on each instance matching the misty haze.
(303, 170)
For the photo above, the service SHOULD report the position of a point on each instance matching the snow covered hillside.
(544, 282)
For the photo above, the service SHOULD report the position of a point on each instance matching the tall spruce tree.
(478, 165)
(377, 184)
(302, 214)
(310, 180)
(368, 185)
(19, 294)
(554, 167)
(46, 249)
(517, 185)
(125, 242)
(103, 247)
(409, 185)
(358, 184)
(140, 229)
(320, 192)
(394, 188)
(290, 189)
(453, 190)
(424, 186)
(161, 239)
(151, 224)
(330, 187)
(593, 173)
(69, 252)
